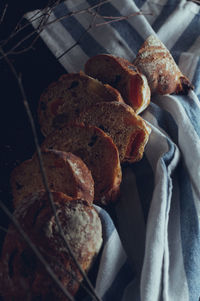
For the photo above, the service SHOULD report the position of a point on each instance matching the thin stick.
(3, 13)
(72, 13)
(86, 30)
(38, 150)
(118, 19)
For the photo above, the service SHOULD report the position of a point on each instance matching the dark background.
(38, 68)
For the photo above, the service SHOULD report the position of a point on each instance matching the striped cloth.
(155, 252)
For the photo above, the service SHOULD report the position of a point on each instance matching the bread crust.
(163, 75)
(122, 75)
(129, 131)
(22, 275)
(99, 153)
(65, 172)
(63, 100)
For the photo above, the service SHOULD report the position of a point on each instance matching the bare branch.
(44, 177)
(119, 18)
(5, 229)
(42, 25)
(3, 13)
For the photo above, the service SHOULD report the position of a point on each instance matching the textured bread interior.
(128, 131)
(65, 99)
(95, 148)
(122, 75)
(61, 176)
(108, 70)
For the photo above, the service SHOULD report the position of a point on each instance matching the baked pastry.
(163, 75)
(63, 100)
(123, 76)
(129, 131)
(23, 276)
(65, 172)
(99, 153)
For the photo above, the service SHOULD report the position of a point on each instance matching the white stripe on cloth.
(153, 277)
(188, 64)
(103, 33)
(153, 8)
(175, 25)
(177, 281)
(59, 40)
(108, 269)
(189, 141)
(129, 7)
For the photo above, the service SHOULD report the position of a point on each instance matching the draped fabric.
(152, 250)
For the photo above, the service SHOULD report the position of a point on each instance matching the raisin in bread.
(129, 131)
(65, 172)
(123, 76)
(23, 277)
(163, 75)
(63, 100)
(99, 153)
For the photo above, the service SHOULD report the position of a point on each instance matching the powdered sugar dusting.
(145, 54)
(77, 170)
(154, 41)
(156, 62)
(82, 229)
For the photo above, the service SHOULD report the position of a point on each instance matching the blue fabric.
(155, 252)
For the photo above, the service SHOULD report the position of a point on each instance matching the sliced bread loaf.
(63, 100)
(65, 172)
(129, 131)
(99, 153)
(23, 276)
(123, 76)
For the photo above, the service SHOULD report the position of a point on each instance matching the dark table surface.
(38, 67)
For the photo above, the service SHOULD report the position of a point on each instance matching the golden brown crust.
(129, 131)
(65, 172)
(22, 275)
(63, 100)
(163, 75)
(97, 150)
(123, 76)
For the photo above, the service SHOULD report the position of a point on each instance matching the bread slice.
(65, 172)
(123, 76)
(99, 153)
(63, 100)
(163, 75)
(129, 131)
(23, 276)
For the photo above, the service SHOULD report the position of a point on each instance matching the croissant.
(163, 75)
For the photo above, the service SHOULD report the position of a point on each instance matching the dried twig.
(117, 19)
(42, 24)
(5, 229)
(44, 177)
(3, 14)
